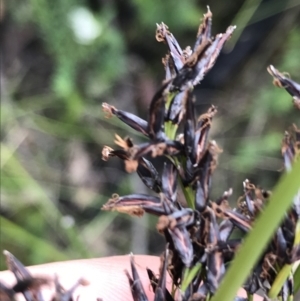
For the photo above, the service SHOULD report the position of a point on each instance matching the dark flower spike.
(168, 205)
(203, 175)
(149, 175)
(152, 278)
(164, 35)
(288, 229)
(193, 235)
(135, 204)
(185, 217)
(229, 248)
(160, 291)
(201, 199)
(177, 106)
(238, 219)
(189, 127)
(169, 67)
(207, 59)
(204, 30)
(280, 244)
(180, 218)
(201, 61)
(201, 134)
(282, 81)
(169, 181)
(192, 61)
(288, 151)
(26, 284)
(268, 266)
(157, 115)
(15, 266)
(249, 190)
(175, 266)
(215, 264)
(154, 283)
(19, 271)
(130, 119)
(137, 290)
(225, 229)
(182, 244)
(67, 295)
(254, 283)
(180, 238)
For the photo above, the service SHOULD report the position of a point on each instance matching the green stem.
(170, 97)
(189, 275)
(297, 235)
(188, 192)
(189, 195)
(171, 130)
(297, 278)
(280, 280)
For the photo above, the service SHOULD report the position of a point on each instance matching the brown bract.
(282, 80)
(106, 152)
(108, 110)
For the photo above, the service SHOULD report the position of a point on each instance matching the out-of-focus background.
(62, 59)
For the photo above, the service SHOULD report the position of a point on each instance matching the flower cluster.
(202, 235)
(195, 237)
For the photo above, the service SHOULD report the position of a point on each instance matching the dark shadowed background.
(62, 59)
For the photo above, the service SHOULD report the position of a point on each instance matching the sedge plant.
(203, 255)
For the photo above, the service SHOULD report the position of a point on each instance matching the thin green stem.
(188, 192)
(297, 235)
(170, 97)
(280, 280)
(290, 298)
(189, 195)
(250, 297)
(171, 130)
(189, 275)
(296, 278)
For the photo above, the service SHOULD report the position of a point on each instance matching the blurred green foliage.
(62, 60)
